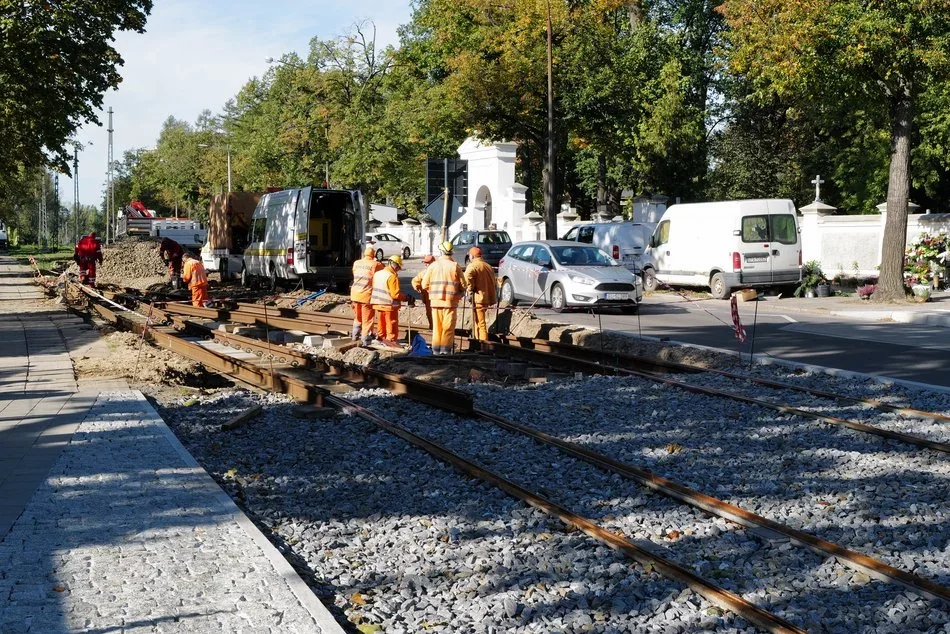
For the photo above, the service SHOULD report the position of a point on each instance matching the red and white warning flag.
(736, 324)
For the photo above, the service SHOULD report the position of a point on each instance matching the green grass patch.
(46, 259)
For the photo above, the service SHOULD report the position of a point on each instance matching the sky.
(196, 54)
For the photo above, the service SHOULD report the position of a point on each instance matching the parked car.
(386, 245)
(494, 245)
(567, 275)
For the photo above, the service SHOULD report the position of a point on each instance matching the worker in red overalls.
(87, 253)
(194, 275)
(171, 253)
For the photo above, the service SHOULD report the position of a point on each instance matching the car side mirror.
(545, 262)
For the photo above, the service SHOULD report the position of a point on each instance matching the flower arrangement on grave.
(926, 259)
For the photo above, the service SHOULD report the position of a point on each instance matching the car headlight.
(582, 279)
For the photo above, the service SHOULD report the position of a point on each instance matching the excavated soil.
(132, 263)
(142, 363)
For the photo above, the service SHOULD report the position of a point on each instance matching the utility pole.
(76, 191)
(110, 198)
(54, 230)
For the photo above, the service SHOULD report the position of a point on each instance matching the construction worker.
(87, 253)
(482, 287)
(171, 253)
(444, 281)
(387, 299)
(194, 275)
(417, 287)
(360, 294)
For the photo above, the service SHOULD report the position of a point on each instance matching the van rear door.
(301, 250)
(785, 245)
(755, 248)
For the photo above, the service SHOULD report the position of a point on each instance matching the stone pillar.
(810, 225)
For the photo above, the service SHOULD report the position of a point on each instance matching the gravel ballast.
(403, 542)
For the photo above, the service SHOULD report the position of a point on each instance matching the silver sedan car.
(567, 275)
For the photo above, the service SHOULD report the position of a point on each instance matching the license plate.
(618, 296)
(753, 260)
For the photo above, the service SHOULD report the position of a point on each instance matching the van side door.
(661, 252)
(301, 239)
(254, 253)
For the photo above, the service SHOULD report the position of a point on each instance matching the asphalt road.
(784, 330)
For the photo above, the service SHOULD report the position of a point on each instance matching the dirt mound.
(130, 262)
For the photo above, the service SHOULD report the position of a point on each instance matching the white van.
(623, 241)
(305, 233)
(726, 245)
(4, 243)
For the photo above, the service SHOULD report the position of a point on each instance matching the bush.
(811, 277)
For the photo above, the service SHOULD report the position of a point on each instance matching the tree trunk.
(548, 186)
(601, 202)
(527, 171)
(890, 285)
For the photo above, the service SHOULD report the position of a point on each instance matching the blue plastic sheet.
(419, 347)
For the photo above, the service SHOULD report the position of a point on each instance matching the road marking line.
(789, 319)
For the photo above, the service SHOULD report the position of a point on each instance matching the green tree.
(880, 54)
(56, 62)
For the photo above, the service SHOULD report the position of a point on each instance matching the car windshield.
(494, 237)
(581, 255)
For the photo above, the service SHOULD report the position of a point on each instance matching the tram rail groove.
(461, 403)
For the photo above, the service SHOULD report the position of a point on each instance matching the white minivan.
(305, 233)
(726, 245)
(623, 241)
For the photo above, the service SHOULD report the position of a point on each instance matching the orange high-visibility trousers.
(199, 294)
(443, 330)
(480, 326)
(388, 323)
(363, 317)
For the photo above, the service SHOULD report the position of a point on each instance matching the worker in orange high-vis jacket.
(482, 285)
(194, 275)
(361, 293)
(444, 280)
(417, 287)
(387, 300)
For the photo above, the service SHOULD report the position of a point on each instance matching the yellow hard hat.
(396, 259)
(446, 247)
(369, 251)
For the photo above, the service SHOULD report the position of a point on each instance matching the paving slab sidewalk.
(106, 522)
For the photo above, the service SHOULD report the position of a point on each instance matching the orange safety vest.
(194, 273)
(444, 282)
(386, 289)
(363, 271)
(482, 283)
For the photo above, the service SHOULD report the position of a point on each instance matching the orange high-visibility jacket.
(193, 273)
(363, 271)
(481, 282)
(386, 289)
(444, 280)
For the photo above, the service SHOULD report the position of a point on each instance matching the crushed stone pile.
(130, 262)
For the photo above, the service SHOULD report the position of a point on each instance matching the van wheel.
(508, 293)
(379, 255)
(650, 282)
(405, 253)
(718, 287)
(558, 303)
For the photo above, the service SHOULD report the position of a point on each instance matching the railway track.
(286, 376)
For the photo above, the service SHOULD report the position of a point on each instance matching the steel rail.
(554, 360)
(460, 402)
(850, 558)
(668, 568)
(638, 362)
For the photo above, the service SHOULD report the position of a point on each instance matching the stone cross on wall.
(817, 182)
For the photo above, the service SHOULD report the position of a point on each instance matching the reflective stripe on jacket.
(363, 271)
(444, 282)
(481, 282)
(193, 273)
(386, 289)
